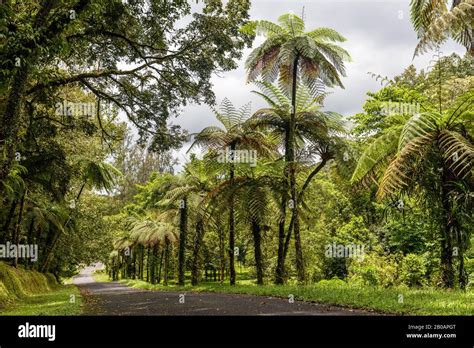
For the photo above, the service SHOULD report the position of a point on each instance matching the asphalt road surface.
(112, 298)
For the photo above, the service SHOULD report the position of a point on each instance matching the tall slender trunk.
(280, 269)
(30, 240)
(133, 273)
(446, 259)
(153, 264)
(148, 264)
(183, 222)
(232, 221)
(166, 265)
(9, 219)
(18, 224)
(292, 176)
(197, 247)
(142, 262)
(221, 253)
(257, 241)
(160, 265)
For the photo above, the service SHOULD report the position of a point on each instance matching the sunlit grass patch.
(64, 300)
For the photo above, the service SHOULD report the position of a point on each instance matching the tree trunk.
(292, 176)
(10, 122)
(160, 265)
(148, 264)
(446, 259)
(232, 221)
(166, 265)
(142, 261)
(221, 253)
(257, 239)
(183, 222)
(197, 246)
(30, 240)
(153, 264)
(280, 268)
(9, 219)
(18, 224)
(133, 273)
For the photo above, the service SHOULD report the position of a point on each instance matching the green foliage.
(17, 284)
(374, 270)
(435, 22)
(413, 270)
(318, 58)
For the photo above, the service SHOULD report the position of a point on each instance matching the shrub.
(413, 270)
(374, 270)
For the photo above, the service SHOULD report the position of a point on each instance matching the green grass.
(25, 292)
(101, 276)
(424, 301)
(60, 301)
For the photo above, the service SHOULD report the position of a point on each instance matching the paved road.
(112, 298)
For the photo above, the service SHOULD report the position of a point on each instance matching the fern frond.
(397, 175)
(379, 149)
(292, 24)
(419, 125)
(458, 152)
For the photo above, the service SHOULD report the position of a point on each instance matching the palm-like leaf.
(235, 132)
(419, 125)
(458, 153)
(99, 175)
(318, 57)
(434, 22)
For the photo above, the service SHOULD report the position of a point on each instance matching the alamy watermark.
(237, 156)
(400, 108)
(21, 251)
(354, 251)
(67, 108)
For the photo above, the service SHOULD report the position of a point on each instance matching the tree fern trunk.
(221, 253)
(292, 175)
(257, 241)
(280, 268)
(197, 246)
(160, 265)
(183, 222)
(232, 222)
(148, 264)
(8, 221)
(166, 265)
(141, 263)
(18, 224)
(446, 259)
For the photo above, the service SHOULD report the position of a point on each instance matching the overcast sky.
(380, 39)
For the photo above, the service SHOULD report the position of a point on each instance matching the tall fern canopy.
(319, 56)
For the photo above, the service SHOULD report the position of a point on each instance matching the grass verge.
(64, 300)
(402, 301)
(24, 292)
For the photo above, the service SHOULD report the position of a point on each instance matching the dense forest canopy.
(290, 193)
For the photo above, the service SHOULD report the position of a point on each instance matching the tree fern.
(458, 152)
